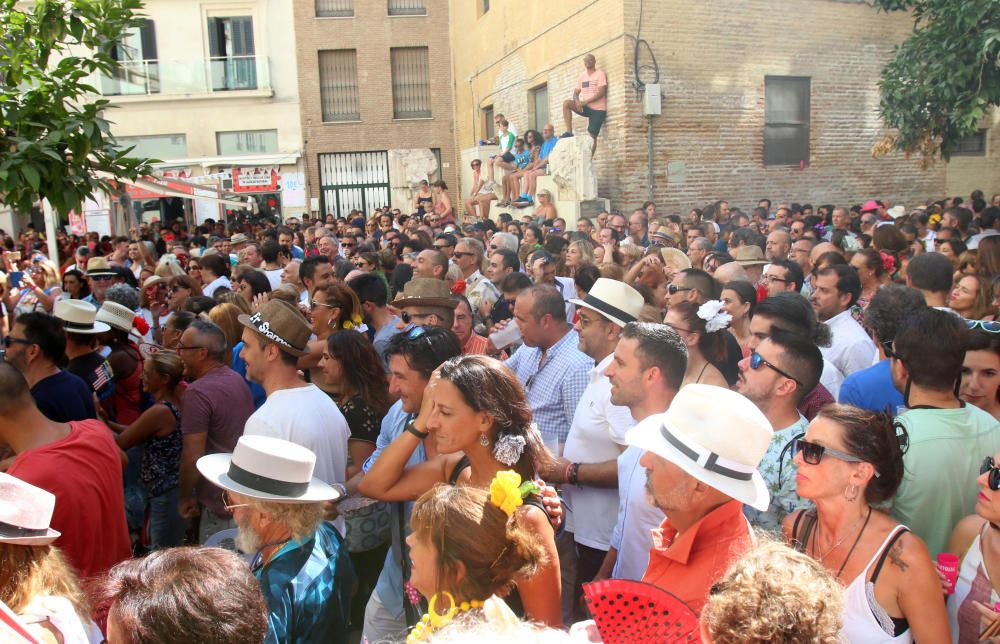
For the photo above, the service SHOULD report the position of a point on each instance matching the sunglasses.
(408, 317)
(673, 289)
(813, 453)
(9, 340)
(989, 465)
(757, 361)
(986, 325)
(101, 278)
(460, 254)
(314, 304)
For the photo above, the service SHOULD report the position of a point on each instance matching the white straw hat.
(615, 300)
(79, 317)
(270, 469)
(717, 436)
(25, 513)
(118, 317)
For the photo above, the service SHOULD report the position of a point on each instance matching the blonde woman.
(226, 317)
(35, 580)
(38, 289)
(579, 254)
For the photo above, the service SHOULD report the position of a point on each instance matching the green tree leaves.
(943, 78)
(53, 134)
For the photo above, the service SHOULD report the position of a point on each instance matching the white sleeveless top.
(860, 624)
(59, 612)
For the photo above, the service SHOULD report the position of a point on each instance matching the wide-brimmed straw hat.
(118, 317)
(25, 513)
(425, 291)
(717, 436)
(79, 317)
(282, 324)
(615, 300)
(99, 267)
(269, 469)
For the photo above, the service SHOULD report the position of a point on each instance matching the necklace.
(432, 619)
(834, 547)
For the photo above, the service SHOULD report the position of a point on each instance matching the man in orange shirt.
(590, 99)
(701, 462)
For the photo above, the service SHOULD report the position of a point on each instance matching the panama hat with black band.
(615, 300)
(268, 469)
(716, 436)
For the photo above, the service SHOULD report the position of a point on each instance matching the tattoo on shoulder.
(896, 555)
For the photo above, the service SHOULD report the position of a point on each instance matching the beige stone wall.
(713, 56)
(372, 32)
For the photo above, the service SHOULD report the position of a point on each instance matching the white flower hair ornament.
(715, 318)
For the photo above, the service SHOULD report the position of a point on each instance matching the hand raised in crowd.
(258, 301)
(188, 508)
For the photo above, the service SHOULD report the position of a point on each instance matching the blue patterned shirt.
(307, 587)
(555, 389)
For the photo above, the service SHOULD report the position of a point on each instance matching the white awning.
(255, 160)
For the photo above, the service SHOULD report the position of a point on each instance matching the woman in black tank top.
(479, 423)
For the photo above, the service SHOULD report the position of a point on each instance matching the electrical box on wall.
(651, 97)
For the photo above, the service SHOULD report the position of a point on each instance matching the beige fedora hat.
(615, 300)
(750, 255)
(425, 291)
(79, 317)
(25, 513)
(717, 436)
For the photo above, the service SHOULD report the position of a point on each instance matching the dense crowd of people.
(399, 427)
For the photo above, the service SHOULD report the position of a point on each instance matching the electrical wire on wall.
(640, 71)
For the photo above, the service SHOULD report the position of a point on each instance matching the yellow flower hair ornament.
(353, 323)
(507, 492)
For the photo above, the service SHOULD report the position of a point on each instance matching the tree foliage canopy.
(53, 136)
(944, 78)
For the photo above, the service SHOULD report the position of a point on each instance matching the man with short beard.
(302, 562)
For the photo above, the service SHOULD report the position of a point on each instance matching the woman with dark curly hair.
(479, 418)
(849, 461)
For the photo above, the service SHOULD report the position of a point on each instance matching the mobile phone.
(15, 278)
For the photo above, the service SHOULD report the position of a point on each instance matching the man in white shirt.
(835, 291)
(588, 469)
(645, 373)
(297, 411)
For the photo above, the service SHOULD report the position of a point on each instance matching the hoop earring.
(851, 493)
(437, 619)
(484, 440)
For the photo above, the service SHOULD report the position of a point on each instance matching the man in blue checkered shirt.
(549, 365)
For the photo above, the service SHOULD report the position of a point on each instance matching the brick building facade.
(715, 60)
(374, 83)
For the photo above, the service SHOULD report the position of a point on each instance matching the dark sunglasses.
(408, 317)
(673, 289)
(989, 465)
(757, 361)
(460, 254)
(813, 453)
(986, 325)
(9, 340)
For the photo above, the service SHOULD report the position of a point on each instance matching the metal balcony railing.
(218, 74)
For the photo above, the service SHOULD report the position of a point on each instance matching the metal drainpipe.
(649, 154)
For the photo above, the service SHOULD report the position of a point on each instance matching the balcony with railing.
(186, 77)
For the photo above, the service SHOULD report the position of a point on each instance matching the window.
(971, 145)
(411, 83)
(539, 104)
(334, 8)
(407, 8)
(485, 7)
(136, 70)
(786, 120)
(163, 146)
(489, 129)
(231, 49)
(247, 142)
(338, 85)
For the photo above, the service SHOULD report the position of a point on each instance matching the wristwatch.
(410, 427)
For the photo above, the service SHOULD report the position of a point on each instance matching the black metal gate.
(353, 181)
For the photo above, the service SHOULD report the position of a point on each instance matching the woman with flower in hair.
(468, 547)
(699, 328)
(475, 412)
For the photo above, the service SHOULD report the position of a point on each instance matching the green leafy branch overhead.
(53, 134)
(943, 79)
